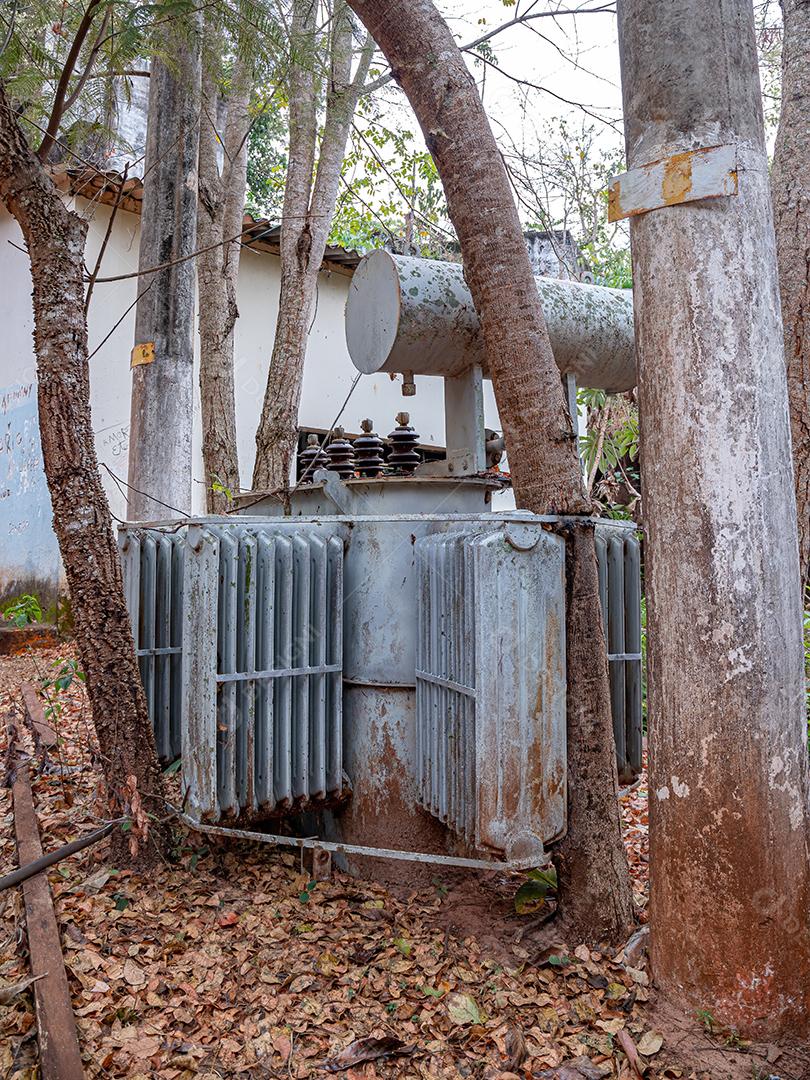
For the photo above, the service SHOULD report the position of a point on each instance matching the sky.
(572, 60)
(579, 60)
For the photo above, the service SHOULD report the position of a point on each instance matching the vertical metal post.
(199, 732)
(464, 422)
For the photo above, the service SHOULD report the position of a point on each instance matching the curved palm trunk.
(790, 188)
(81, 517)
(596, 898)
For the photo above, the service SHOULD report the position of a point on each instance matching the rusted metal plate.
(707, 173)
(59, 1057)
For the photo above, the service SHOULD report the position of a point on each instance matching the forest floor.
(230, 962)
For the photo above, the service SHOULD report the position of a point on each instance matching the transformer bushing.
(368, 449)
(312, 458)
(404, 440)
(341, 455)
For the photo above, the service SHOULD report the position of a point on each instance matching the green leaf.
(559, 961)
(403, 946)
(548, 875)
(530, 897)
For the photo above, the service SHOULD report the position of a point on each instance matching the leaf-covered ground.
(230, 962)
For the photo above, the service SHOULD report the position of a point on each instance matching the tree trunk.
(81, 517)
(162, 409)
(596, 900)
(306, 220)
(728, 751)
(219, 218)
(790, 187)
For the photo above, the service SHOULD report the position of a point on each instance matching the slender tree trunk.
(162, 408)
(728, 752)
(596, 899)
(306, 220)
(81, 517)
(790, 187)
(219, 218)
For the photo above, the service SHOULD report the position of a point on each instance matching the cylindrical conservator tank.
(416, 315)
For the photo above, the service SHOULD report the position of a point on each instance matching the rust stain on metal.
(708, 172)
(677, 182)
(142, 354)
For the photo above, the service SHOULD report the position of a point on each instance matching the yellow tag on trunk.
(143, 354)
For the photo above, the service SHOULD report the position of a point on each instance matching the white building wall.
(28, 552)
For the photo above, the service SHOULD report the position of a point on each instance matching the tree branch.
(64, 80)
(88, 67)
(519, 20)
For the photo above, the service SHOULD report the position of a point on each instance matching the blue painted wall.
(30, 555)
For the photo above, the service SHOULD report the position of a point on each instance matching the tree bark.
(306, 220)
(219, 218)
(730, 887)
(596, 899)
(790, 188)
(55, 238)
(162, 409)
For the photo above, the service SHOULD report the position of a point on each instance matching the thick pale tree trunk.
(161, 415)
(596, 897)
(790, 188)
(306, 220)
(219, 219)
(55, 238)
(728, 749)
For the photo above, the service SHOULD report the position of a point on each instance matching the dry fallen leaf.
(368, 1049)
(580, 1068)
(650, 1043)
(461, 1009)
(163, 989)
(516, 1051)
(12, 990)
(133, 974)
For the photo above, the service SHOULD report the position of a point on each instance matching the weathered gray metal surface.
(275, 655)
(705, 173)
(259, 606)
(618, 556)
(277, 631)
(402, 496)
(491, 685)
(309, 843)
(152, 564)
(417, 315)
